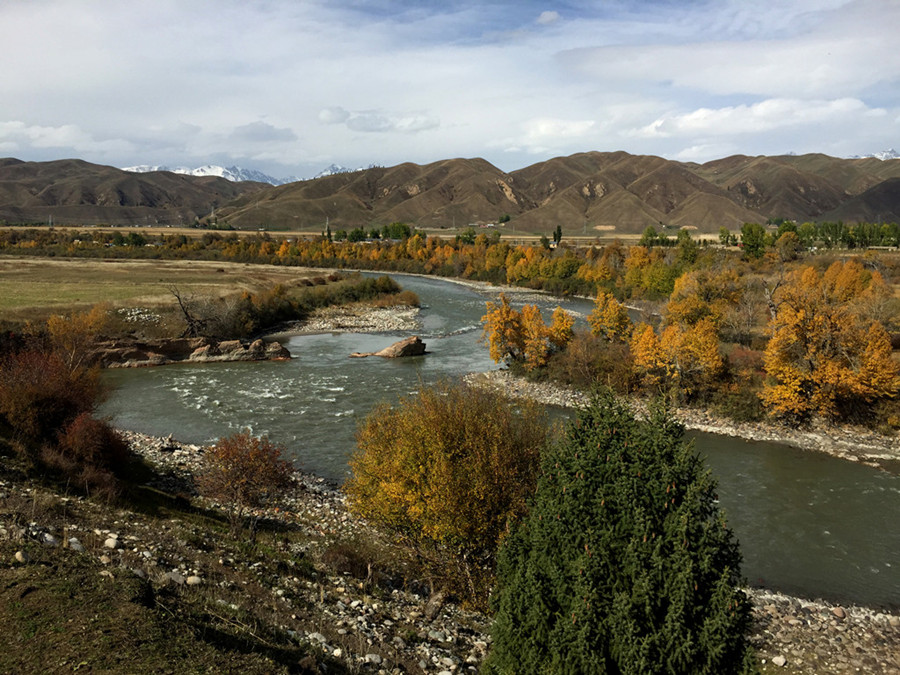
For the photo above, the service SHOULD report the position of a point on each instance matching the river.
(808, 524)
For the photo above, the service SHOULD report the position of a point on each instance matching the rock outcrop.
(139, 353)
(411, 346)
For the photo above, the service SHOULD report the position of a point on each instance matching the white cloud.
(758, 118)
(548, 17)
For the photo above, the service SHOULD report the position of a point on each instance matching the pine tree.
(624, 564)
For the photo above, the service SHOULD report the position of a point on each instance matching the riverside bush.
(624, 563)
(40, 395)
(447, 471)
(243, 472)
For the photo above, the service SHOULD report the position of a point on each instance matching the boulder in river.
(411, 346)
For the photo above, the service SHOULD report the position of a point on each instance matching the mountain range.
(592, 192)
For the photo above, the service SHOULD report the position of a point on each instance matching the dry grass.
(33, 288)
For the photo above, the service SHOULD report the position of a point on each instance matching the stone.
(194, 580)
(318, 637)
(373, 658)
(76, 545)
(894, 621)
(50, 540)
(434, 605)
(839, 613)
(779, 661)
(411, 346)
(111, 543)
(105, 559)
(23, 557)
(174, 578)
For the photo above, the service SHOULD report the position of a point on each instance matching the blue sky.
(289, 87)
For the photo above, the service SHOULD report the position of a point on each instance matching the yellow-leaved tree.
(609, 318)
(523, 337)
(826, 356)
(448, 471)
(503, 331)
(682, 360)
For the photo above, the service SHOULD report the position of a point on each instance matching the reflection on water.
(808, 523)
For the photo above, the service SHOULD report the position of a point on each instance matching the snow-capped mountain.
(233, 173)
(883, 155)
(337, 168)
(332, 170)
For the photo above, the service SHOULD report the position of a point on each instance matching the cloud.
(548, 17)
(335, 115)
(758, 118)
(180, 83)
(378, 122)
(262, 132)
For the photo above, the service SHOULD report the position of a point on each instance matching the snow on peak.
(890, 153)
(232, 173)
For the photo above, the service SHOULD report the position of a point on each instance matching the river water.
(808, 524)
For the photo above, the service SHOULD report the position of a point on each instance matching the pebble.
(76, 545)
(194, 580)
(50, 540)
(779, 661)
(111, 543)
(23, 557)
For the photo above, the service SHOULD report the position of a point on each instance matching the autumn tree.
(609, 319)
(624, 563)
(243, 472)
(503, 331)
(825, 356)
(560, 331)
(681, 361)
(72, 335)
(534, 337)
(447, 471)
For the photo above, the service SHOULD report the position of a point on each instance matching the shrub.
(624, 563)
(588, 360)
(243, 472)
(40, 395)
(447, 471)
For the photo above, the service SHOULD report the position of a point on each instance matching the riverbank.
(849, 443)
(326, 582)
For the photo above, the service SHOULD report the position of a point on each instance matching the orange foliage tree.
(522, 336)
(825, 356)
(609, 318)
(682, 359)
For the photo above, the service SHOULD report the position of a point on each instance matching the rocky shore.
(849, 443)
(358, 318)
(345, 618)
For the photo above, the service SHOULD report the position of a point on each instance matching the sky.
(290, 87)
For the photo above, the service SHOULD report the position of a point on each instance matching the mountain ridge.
(589, 192)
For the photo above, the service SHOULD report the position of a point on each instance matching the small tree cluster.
(827, 356)
(522, 337)
(448, 470)
(243, 472)
(624, 563)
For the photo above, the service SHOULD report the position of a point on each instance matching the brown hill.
(607, 192)
(74, 191)
(446, 193)
(880, 203)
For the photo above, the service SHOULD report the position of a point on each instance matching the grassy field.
(33, 288)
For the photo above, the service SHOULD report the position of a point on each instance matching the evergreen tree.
(624, 563)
